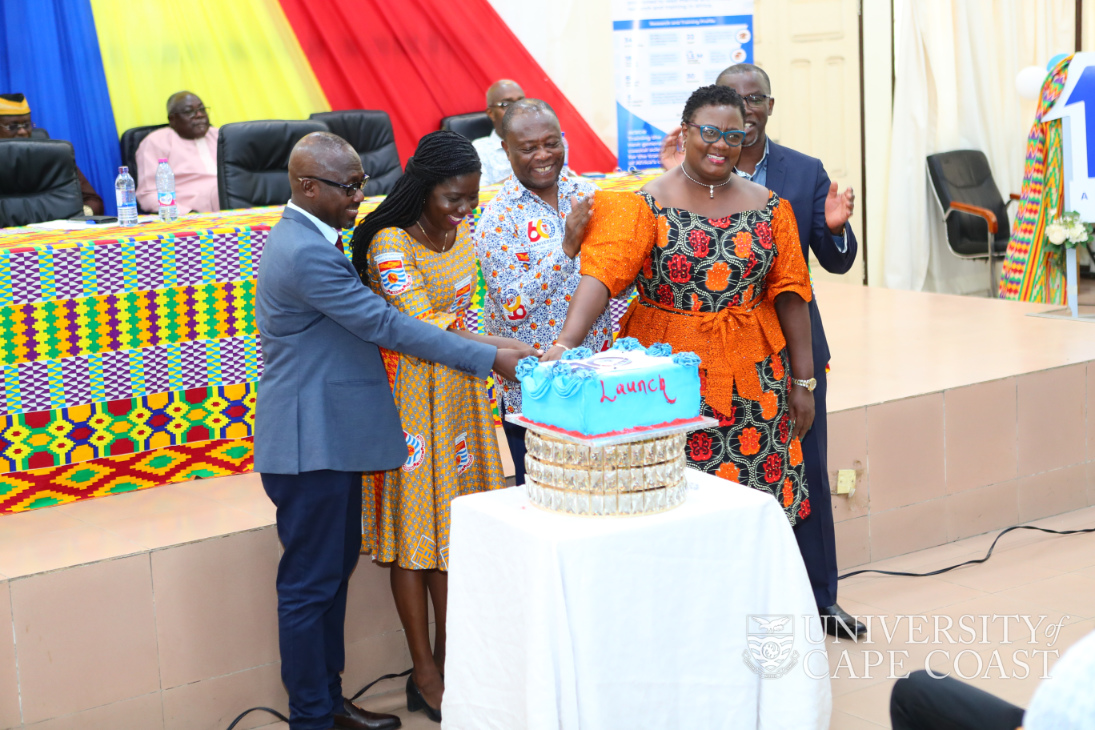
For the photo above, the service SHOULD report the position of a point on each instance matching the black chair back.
(39, 182)
(472, 126)
(964, 176)
(369, 131)
(253, 161)
(39, 133)
(131, 139)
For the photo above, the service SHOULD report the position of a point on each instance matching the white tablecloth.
(558, 621)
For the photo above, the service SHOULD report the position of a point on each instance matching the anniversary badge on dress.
(393, 275)
(462, 295)
(463, 456)
(416, 451)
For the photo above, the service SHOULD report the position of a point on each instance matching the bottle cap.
(123, 170)
(163, 159)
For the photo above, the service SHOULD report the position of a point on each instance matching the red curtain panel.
(421, 60)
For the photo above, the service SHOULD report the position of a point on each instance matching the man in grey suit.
(325, 414)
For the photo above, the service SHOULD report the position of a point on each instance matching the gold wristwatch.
(807, 384)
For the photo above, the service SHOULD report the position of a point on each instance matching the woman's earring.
(680, 143)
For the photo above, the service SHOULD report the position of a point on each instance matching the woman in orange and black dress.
(719, 270)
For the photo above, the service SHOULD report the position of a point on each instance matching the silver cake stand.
(617, 474)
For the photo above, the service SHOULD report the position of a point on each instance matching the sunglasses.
(711, 135)
(348, 189)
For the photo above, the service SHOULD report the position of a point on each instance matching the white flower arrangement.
(1067, 231)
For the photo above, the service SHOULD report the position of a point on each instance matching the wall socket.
(845, 482)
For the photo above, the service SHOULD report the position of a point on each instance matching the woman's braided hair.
(713, 95)
(438, 157)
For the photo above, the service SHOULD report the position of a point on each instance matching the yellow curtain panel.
(240, 56)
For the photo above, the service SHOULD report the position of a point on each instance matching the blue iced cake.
(619, 390)
(627, 391)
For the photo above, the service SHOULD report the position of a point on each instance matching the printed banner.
(664, 50)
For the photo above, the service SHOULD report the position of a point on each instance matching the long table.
(130, 357)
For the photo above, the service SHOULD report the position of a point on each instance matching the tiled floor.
(1030, 574)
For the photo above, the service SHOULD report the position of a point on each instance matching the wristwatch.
(807, 384)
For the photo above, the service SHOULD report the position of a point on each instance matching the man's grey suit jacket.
(324, 400)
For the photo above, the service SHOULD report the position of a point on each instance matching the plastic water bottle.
(125, 193)
(165, 191)
(566, 151)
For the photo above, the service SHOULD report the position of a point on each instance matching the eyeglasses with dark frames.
(503, 104)
(348, 189)
(756, 101)
(193, 111)
(16, 126)
(711, 135)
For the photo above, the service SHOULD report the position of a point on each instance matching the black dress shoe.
(840, 623)
(416, 702)
(355, 718)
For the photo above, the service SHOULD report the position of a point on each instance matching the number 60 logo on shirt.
(540, 229)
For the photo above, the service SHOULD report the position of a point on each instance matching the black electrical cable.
(283, 718)
(968, 562)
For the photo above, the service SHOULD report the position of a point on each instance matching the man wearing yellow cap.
(15, 122)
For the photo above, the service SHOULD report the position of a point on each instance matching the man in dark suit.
(325, 414)
(822, 216)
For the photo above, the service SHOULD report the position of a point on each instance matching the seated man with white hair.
(189, 144)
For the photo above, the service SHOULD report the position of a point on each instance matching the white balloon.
(1028, 82)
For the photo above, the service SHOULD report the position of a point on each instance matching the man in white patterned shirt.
(496, 167)
(527, 241)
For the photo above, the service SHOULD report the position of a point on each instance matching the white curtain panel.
(955, 68)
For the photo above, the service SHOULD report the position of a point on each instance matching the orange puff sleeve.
(620, 234)
(788, 272)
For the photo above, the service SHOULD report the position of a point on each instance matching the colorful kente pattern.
(116, 474)
(49, 384)
(69, 327)
(111, 338)
(114, 428)
(85, 269)
(1031, 273)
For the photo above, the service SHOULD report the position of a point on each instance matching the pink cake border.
(520, 420)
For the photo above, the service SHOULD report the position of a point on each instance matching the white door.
(810, 50)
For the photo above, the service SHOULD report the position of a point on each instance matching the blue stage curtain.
(49, 50)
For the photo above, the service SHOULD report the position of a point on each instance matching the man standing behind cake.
(528, 240)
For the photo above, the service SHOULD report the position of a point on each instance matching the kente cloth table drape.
(136, 342)
(657, 621)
